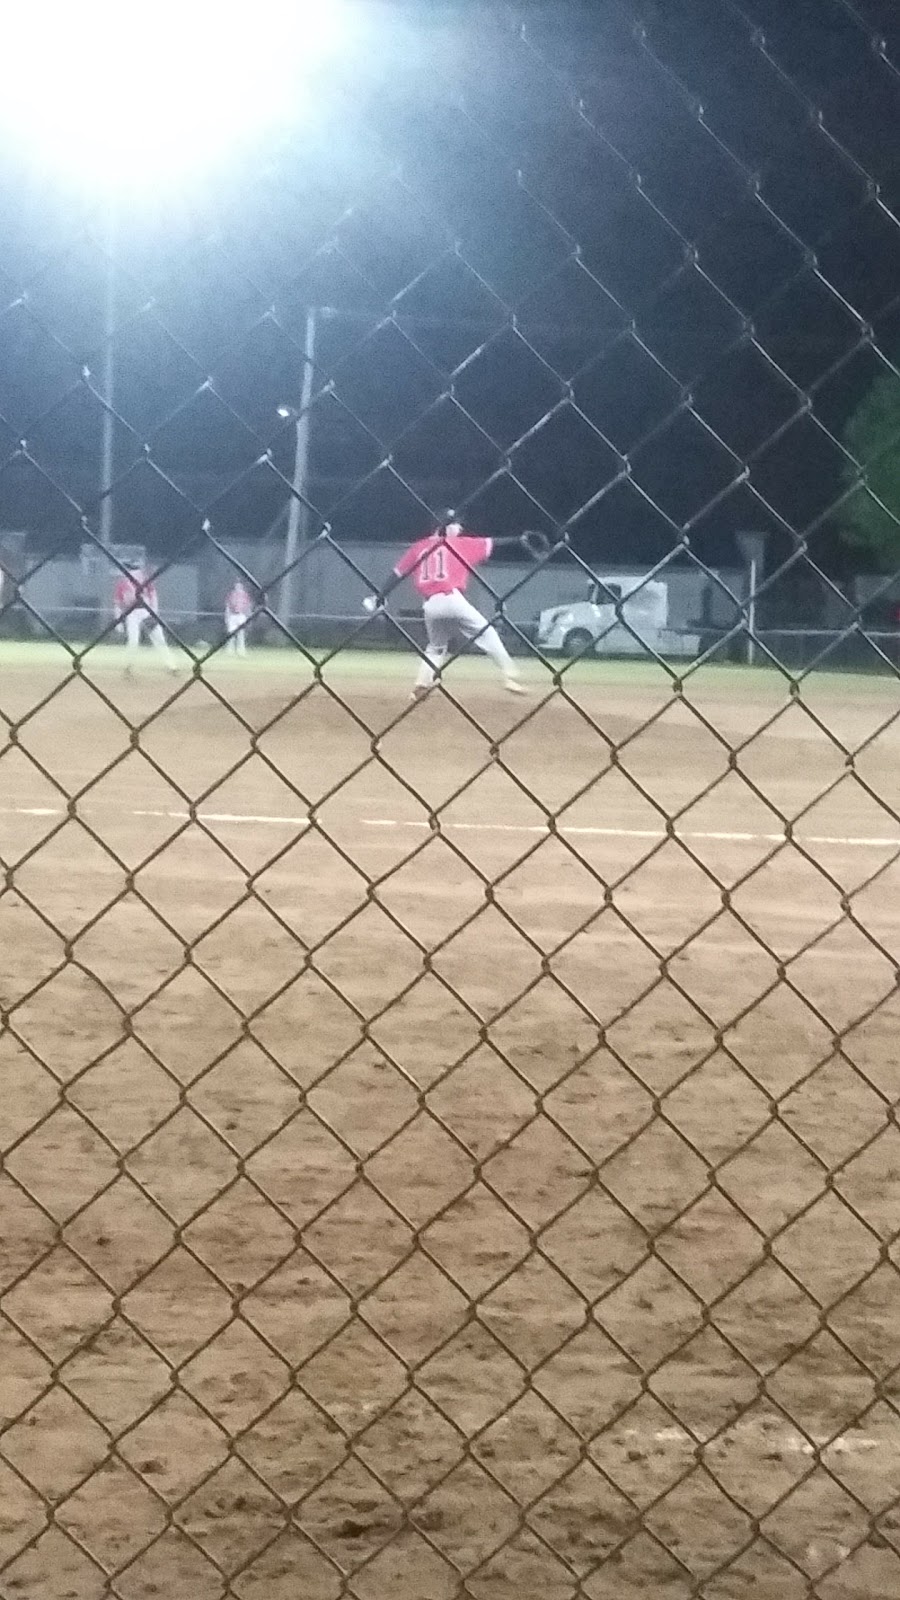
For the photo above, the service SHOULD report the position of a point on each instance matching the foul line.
(788, 1440)
(570, 830)
(385, 824)
(841, 840)
(770, 1434)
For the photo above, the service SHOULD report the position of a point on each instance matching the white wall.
(331, 583)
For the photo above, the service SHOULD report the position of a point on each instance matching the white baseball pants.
(449, 614)
(236, 629)
(135, 622)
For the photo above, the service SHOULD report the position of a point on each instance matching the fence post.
(753, 548)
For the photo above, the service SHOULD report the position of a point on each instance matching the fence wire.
(450, 1148)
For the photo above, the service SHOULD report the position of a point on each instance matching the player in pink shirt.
(238, 610)
(136, 606)
(440, 567)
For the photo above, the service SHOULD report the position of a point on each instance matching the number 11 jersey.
(439, 565)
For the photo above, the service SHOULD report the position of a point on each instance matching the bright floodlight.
(121, 94)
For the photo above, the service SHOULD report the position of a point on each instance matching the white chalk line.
(700, 946)
(787, 1440)
(839, 841)
(573, 830)
(758, 1434)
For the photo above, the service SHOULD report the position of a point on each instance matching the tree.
(872, 436)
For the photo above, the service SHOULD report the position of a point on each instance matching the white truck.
(622, 616)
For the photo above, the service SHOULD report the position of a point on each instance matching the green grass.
(348, 664)
(31, 655)
(35, 655)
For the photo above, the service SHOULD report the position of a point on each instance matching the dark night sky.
(562, 254)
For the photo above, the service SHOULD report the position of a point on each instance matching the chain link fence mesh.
(450, 1148)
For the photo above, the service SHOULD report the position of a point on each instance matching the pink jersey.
(440, 566)
(133, 594)
(239, 602)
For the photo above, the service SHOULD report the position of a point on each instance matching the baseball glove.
(537, 544)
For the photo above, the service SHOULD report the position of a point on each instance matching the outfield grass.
(348, 663)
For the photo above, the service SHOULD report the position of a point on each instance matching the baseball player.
(238, 611)
(440, 566)
(136, 607)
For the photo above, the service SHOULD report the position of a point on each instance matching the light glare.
(116, 94)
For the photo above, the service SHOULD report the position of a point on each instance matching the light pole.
(753, 549)
(108, 437)
(298, 510)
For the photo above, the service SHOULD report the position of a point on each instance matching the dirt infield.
(422, 1175)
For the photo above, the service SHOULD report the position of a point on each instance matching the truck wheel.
(578, 643)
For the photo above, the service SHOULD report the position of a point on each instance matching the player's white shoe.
(513, 686)
(421, 690)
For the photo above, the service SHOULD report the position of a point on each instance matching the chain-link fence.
(449, 1145)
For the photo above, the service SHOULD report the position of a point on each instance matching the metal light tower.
(753, 549)
(297, 530)
(108, 437)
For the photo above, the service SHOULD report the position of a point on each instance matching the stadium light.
(119, 95)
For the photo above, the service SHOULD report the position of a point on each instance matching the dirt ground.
(422, 1176)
